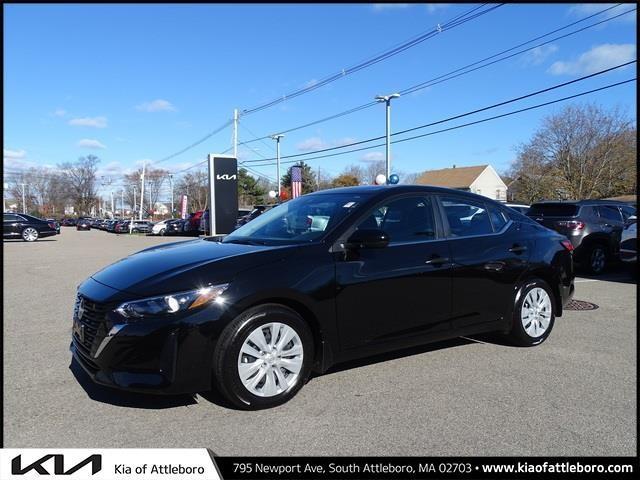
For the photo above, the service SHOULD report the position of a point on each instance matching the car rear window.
(553, 210)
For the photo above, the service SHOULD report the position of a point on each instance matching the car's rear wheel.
(534, 313)
(596, 259)
(162, 232)
(263, 357)
(29, 234)
(135, 230)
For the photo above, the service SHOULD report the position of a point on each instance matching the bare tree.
(195, 186)
(80, 178)
(582, 152)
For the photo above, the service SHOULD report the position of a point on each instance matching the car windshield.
(302, 220)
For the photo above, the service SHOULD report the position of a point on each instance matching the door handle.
(518, 248)
(436, 260)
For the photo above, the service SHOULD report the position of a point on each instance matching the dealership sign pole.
(223, 192)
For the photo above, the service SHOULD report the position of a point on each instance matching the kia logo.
(58, 465)
(226, 176)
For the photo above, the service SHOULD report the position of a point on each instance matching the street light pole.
(133, 212)
(387, 99)
(144, 165)
(113, 206)
(171, 185)
(277, 139)
(24, 204)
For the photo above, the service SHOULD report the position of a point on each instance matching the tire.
(29, 234)
(596, 259)
(135, 230)
(273, 383)
(162, 232)
(535, 294)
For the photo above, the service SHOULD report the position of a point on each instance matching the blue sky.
(135, 82)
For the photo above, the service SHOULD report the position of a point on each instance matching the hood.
(184, 265)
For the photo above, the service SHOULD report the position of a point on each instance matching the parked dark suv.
(593, 226)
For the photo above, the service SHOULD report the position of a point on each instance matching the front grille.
(93, 322)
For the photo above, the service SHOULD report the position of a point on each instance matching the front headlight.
(171, 304)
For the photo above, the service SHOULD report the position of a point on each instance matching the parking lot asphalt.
(573, 395)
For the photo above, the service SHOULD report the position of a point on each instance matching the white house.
(480, 179)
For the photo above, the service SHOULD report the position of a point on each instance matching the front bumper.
(163, 356)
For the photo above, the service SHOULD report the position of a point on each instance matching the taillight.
(567, 244)
(571, 224)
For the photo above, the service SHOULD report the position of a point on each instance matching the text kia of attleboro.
(322, 279)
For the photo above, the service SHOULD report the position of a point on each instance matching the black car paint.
(357, 303)
(14, 223)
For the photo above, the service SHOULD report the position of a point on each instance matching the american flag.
(296, 181)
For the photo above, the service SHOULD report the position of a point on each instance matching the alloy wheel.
(535, 312)
(270, 359)
(30, 234)
(598, 259)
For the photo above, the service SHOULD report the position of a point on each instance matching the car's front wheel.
(29, 234)
(162, 232)
(263, 357)
(534, 313)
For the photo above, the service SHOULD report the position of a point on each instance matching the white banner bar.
(107, 464)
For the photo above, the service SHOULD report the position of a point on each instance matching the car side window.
(610, 213)
(10, 218)
(407, 219)
(466, 217)
(498, 218)
(627, 211)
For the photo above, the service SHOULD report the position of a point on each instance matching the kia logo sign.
(226, 177)
(58, 465)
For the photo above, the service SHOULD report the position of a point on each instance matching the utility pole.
(171, 185)
(387, 99)
(122, 201)
(144, 164)
(150, 204)
(24, 204)
(277, 139)
(113, 206)
(318, 188)
(133, 212)
(235, 133)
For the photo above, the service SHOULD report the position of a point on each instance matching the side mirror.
(367, 238)
(630, 221)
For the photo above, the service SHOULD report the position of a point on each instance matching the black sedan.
(175, 227)
(325, 278)
(26, 227)
(83, 224)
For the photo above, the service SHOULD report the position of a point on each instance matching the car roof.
(581, 202)
(385, 190)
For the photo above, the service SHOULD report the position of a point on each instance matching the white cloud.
(311, 83)
(60, 112)
(386, 6)
(313, 143)
(372, 157)
(586, 9)
(434, 7)
(539, 54)
(95, 122)
(111, 169)
(90, 143)
(598, 58)
(158, 105)
(14, 154)
(317, 143)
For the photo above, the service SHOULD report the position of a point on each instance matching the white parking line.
(583, 281)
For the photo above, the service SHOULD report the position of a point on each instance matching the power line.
(514, 112)
(495, 105)
(456, 21)
(464, 70)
